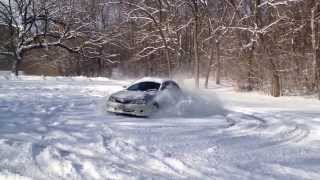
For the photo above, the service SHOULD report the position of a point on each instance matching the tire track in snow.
(247, 124)
(150, 160)
(290, 134)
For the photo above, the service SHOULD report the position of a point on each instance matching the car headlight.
(139, 101)
(112, 99)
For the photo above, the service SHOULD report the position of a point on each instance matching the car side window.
(144, 86)
(164, 86)
(174, 86)
(170, 86)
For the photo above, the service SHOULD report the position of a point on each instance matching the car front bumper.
(142, 110)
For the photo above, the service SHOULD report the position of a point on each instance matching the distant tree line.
(269, 45)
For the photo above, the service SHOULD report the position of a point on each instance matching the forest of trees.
(267, 45)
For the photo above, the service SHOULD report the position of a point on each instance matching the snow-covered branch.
(6, 53)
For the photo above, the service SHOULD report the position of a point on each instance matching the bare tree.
(197, 7)
(218, 19)
(260, 44)
(315, 18)
(33, 25)
(158, 15)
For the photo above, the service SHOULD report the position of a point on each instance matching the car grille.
(123, 101)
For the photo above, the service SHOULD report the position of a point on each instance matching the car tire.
(155, 104)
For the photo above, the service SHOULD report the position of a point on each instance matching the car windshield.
(144, 86)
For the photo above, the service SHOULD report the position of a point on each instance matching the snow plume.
(193, 104)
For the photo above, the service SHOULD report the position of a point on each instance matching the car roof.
(152, 79)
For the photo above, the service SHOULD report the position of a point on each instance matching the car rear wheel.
(156, 105)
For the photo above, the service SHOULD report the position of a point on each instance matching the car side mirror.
(124, 87)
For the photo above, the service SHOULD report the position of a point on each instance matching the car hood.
(134, 95)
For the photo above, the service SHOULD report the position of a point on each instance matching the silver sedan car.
(144, 97)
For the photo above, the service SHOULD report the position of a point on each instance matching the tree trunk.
(16, 64)
(275, 82)
(276, 88)
(317, 70)
(315, 46)
(168, 61)
(250, 86)
(179, 55)
(16, 67)
(78, 66)
(196, 52)
(218, 69)
(209, 68)
(165, 43)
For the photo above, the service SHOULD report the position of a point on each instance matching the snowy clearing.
(56, 128)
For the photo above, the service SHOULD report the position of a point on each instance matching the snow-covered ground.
(56, 128)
